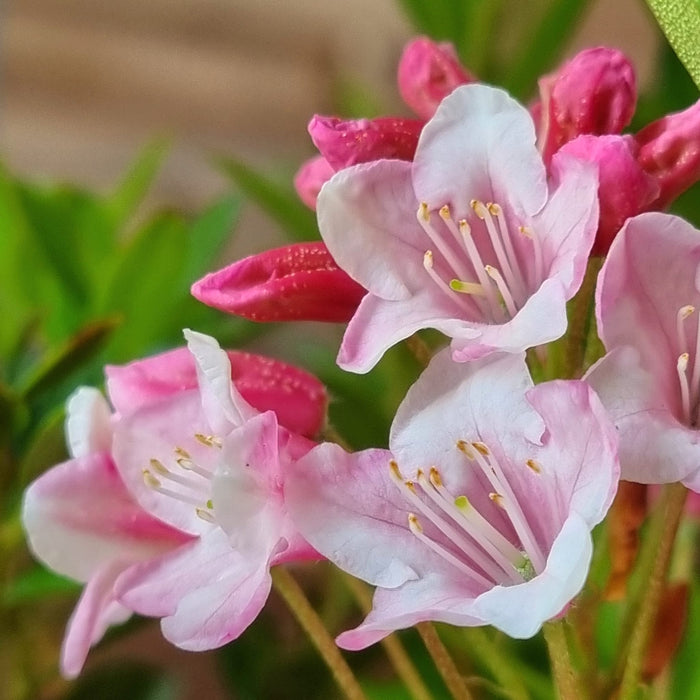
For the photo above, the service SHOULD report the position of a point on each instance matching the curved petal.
(207, 592)
(520, 611)
(378, 324)
(480, 145)
(223, 405)
(150, 380)
(246, 487)
(655, 447)
(79, 517)
(96, 610)
(88, 427)
(367, 218)
(358, 518)
(429, 598)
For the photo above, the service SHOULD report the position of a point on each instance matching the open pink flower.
(172, 506)
(480, 512)
(647, 306)
(471, 238)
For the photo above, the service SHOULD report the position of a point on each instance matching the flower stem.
(565, 677)
(660, 540)
(400, 660)
(443, 661)
(299, 605)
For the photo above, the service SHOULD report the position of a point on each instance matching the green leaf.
(61, 363)
(208, 234)
(278, 201)
(36, 584)
(680, 22)
(137, 181)
(145, 286)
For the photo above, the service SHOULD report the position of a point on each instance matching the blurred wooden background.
(86, 82)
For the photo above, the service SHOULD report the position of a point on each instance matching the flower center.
(187, 481)
(460, 534)
(496, 290)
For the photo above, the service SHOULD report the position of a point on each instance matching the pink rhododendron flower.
(647, 305)
(310, 178)
(296, 282)
(172, 506)
(593, 93)
(481, 510)
(471, 238)
(427, 73)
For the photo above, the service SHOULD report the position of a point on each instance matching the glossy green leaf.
(137, 181)
(680, 21)
(280, 202)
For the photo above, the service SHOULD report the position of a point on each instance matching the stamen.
(192, 466)
(537, 247)
(496, 276)
(484, 212)
(208, 440)
(153, 483)
(497, 211)
(158, 467)
(681, 367)
(183, 453)
(534, 466)
(478, 265)
(503, 496)
(695, 379)
(488, 538)
(423, 216)
(487, 564)
(205, 515)
(428, 265)
(467, 288)
(415, 527)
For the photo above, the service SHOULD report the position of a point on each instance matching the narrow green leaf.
(137, 181)
(279, 202)
(68, 358)
(207, 235)
(680, 22)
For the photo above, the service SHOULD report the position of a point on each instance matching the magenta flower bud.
(299, 282)
(669, 150)
(624, 188)
(348, 142)
(593, 93)
(310, 178)
(429, 72)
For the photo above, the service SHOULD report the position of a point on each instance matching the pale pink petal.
(432, 597)
(521, 610)
(480, 145)
(247, 487)
(79, 517)
(88, 427)
(96, 610)
(367, 217)
(146, 381)
(223, 405)
(655, 447)
(207, 593)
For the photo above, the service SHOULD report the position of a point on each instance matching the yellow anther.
(150, 480)
(435, 478)
(158, 466)
(481, 448)
(534, 466)
(497, 499)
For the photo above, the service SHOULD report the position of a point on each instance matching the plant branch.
(443, 661)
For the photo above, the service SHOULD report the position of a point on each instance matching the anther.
(205, 515)
(150, 480)
(497, 498)
(481, 448)
(208, 440)
(534, 466)
(466, 448)
(158, 466)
